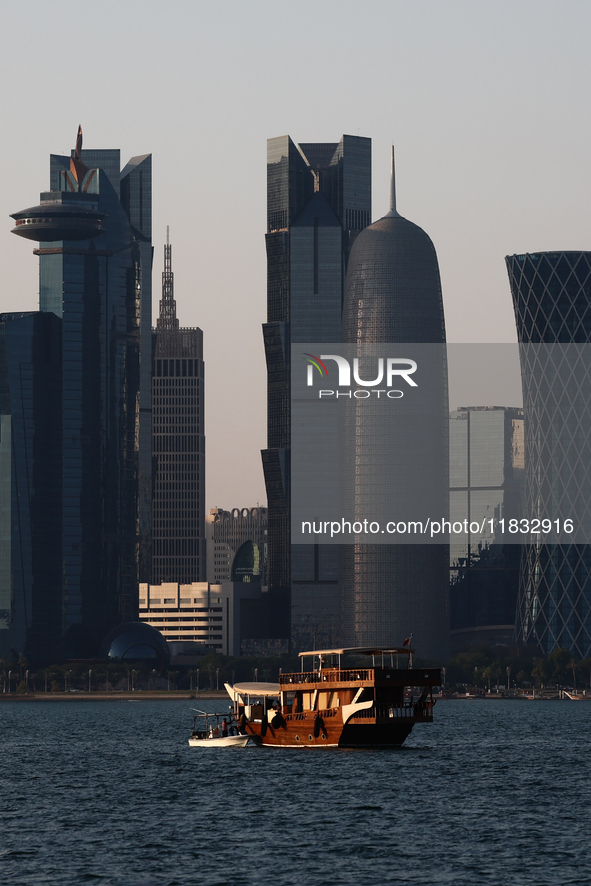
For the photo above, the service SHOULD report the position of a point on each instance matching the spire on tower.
(393, 213)
(77, 167)
(167, 319)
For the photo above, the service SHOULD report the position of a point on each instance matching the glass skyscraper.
(486, 466)
(552, 302)
(318, 200)
(95, 259)
(30, 484)
(178, 444)
(393, 294)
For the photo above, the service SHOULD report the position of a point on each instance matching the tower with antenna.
(92, 228)
(393, 294)
(167, 319)
(178, 443)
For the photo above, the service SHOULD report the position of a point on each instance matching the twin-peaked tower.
(318, 199)
(334, 277)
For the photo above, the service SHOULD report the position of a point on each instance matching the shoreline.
(212, 694)
(142, 695)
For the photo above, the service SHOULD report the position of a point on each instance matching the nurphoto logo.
(388, 369)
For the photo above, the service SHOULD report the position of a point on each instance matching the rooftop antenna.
(77, 167)
(167, 319)
(393, 213)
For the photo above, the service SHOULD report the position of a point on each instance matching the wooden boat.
(210, 736)
(331, 706)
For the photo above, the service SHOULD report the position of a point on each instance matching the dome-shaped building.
(393, 295)
(136, 641)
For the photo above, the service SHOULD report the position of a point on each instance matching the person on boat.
(224, 728)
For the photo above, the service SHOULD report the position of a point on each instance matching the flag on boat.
(407, 641)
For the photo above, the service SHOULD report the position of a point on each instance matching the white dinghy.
(208, 735)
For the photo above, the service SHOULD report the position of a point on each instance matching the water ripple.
(111, 795)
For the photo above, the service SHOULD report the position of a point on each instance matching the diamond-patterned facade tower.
(552, 302)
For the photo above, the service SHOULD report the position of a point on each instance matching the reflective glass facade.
(136, 197)
(318, 199)
(486, 467)
(100, 291)
(552, 301)
(30, 488)
(393, 294)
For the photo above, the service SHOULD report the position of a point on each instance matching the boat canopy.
(360, 650)
(256, 688)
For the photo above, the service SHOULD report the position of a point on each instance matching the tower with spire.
(92, 229)
(167, 319)
(178, 443)
(393, 294)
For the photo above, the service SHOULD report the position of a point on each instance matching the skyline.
(485, 104)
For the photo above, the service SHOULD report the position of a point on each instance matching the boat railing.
(331, 675)
(421, 710)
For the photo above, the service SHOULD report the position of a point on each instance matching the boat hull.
(318, 732)
(228, 741)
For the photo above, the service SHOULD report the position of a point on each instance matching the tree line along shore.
(480, 668)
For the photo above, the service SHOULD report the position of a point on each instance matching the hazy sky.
(487, 103)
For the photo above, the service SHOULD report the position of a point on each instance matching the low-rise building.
(201, 615)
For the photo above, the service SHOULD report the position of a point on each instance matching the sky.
(487, 104)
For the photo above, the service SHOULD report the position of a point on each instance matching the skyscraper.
(552, 302)
(486, 466)
(178, 444)
(393, 294)
(30, 483)
(318, 199)
(95, 258)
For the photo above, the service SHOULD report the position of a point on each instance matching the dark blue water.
(110, 793)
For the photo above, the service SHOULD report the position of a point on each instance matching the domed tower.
(393, 295)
